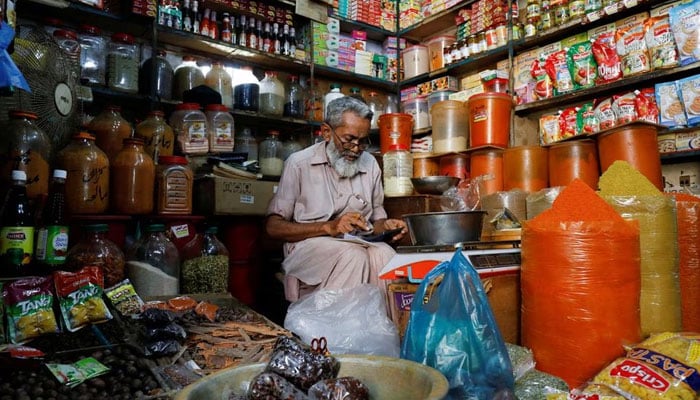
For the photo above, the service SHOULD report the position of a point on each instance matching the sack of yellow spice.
(663, 367)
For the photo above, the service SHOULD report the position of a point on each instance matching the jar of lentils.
(123, 63)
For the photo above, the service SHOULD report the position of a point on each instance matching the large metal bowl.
(434, 184)
(444, 228)
(387, 379)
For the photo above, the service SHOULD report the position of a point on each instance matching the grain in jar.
(397, 165)
(190, 127)
(174, 181)
(158, 136)
(132, 179)
(87, 184)
(187, 76)
(93, 54)
(221, 128)
(123, 63)
(205, 264)
(95, 249)
(110, 130)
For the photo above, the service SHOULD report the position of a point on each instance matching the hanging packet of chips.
(80, 297)
(29, 308)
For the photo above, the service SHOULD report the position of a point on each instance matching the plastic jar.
(25, 147)
(173, 187)
(416, 61)
(418, 109)
(635, 143)
(378, 107)
(270, 155)
(220, 126)
(294, 99)
(499, 85)
(158, 136)
(456, 165)
(333, 94)
(395, 128)
(205, 264)
(190, 128)
(489, 119)
(219, 80)
(438, 96)
(576, 159)
(95, 249)
(271, 95)
(132, 174)
(436, 48)
(489, 165)
(67, 40)
(110, 130)
(450, 131)
(525, 168)
(87, 183)
(425, 166)
(187, 76)
(123, 63)
(397, 165)
(93, 55)
(244, 142)
(164, 76)
(153, 264)
(246, 93)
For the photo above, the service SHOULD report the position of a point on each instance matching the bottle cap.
(336, 85)
(155, 228)
(60, 173)
(397, 146)
(18, 175)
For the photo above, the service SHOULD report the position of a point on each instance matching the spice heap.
(569, 250)
(633, 196)
(688, 219)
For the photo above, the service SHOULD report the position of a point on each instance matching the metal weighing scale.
(488, 258)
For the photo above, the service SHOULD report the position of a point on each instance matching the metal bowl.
(434, 184)
(387, 378)
(444, 228)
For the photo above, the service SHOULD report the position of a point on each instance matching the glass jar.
(25, 147)
(377, 105)
(164, 75)
(132, 176)
(271, 94)
(246, 92)
(205, 264)
(190, 128)
(93, 55)
(356, 93)
(244, 142)
(289, 146)
(174, 181)
(158, 136)
(110, 130)
(561, 12)
(187, 76)
(392, 105)
(398, 171)
(294, 101)
(87, 184)
(220, 125)
(219, 79)
(270, 155)
(153, 264)
(314, 103)
(547, 20)
(95, 249)
(123, 63)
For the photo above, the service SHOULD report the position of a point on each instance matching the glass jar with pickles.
(87, 184)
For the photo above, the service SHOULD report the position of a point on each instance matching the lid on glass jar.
(211, 229)
(273, 133)
(51, 21)
(133, 140)
(65, 34)
(156, 113)
(161, 53)
(84, 135)
(188, 58)
(91, 29)
(155, 228)
(177, 160)
(96, 227)
(216, 107)
(293, 78)
(336, 85)
(122, 37)
(22, 114)
(398, 146)
(187, 106)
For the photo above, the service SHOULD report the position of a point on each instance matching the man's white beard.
(344, 168)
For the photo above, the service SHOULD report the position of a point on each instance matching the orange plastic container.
(489, 119)
(526, 168)
(395, 128)
(455, 165)
(490, 163)
(424, 166)
(574, 159)
(635, 143)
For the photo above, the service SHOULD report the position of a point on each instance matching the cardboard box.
(226, 196)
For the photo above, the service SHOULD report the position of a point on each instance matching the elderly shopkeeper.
(327, 190)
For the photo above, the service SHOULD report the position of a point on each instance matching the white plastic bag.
(352, 320)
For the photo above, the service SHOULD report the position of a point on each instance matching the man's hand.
(347, 223)
(389, 224)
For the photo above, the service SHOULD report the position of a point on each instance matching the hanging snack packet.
(567, 123)
(558, 71)
(124, 298)
(80, 297)
(605, 54)
(690, 92)
(549, 129)
(582, 65)
(624, 107)
(645, 103)
(543, 83)
(685, 24)
(605, 114)
(671, 109)
(659, 39)
(586, 120)
(632, 49)
(29, 307)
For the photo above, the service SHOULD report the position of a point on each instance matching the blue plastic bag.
(454, 331)
(10, 75)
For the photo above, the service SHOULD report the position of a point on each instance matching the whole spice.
(205, 274)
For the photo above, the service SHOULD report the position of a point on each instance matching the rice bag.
(29, 308)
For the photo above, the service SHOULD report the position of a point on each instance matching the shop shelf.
(433, 24)
(374, 32)
(346, 76)
(680, 157)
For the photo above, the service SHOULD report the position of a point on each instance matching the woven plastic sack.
(454, 331)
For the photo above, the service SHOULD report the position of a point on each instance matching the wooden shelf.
(375, 33)
(433, 23)
(359, 79)
(680, 157)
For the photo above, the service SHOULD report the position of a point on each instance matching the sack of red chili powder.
(688, 218)
(577, 310)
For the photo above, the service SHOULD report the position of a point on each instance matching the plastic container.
(437, 96)
(270, 155)
(489, 119)
(221, 128)
(123, 63)
(220, 80)
(499, 85)
(395, 128)
(525, 168)
(635, 143)
(67, 40)
(333, 94)
(93, 55)
(418, 108)
(450, 130)
(190, 128)
(110, 130)
(246, 92)
(416, 61)
(271, 95)
(154, 264)
(489, 165)
(436, 48)
(456, 165)
(572, 160)
(87, 184)
(164, 76)
(398, 170)
(132, 174)
(187, 76)
(174, 182)
(95, 249)
(205, 264)
(158, 136)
